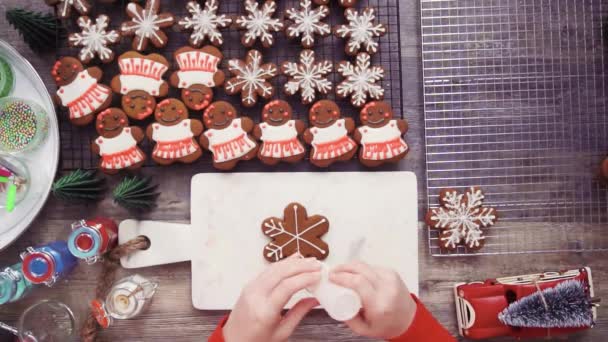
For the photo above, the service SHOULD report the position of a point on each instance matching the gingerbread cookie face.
(295, 233)
(171, 112)
(361, 31)
(138, 104)
(258, 23)
(323, 114)
(307, 77)
(65, 70)
(64, 7)
(251, 78)
(205, 23)
(279, 134)
(95, 39)
(461, 219)
(146, 25)
(307, 22)
(361, 80)
(117, 142)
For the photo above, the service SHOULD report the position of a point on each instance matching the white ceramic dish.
(41, 162)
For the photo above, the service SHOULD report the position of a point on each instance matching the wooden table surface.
(172, 317)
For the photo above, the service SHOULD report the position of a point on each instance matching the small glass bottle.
(13, 285)
(127, 299)
(90, 239)
(14, 178)
(24, 125)
(48, 263)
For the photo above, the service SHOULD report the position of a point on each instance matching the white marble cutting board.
(372, 215)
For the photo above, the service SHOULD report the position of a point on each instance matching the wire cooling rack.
(515, 102)
(75, 141)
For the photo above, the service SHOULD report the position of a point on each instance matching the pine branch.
(79, 185)
(40, 31)
(135, 193)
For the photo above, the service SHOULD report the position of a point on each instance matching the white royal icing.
(79, 86)
(94, 38)
(360, 80)
(361, 30)
(123, 142)
(135, 82)
(328, 134)
(251, 78)
(205, 23)
(233, 133)
(308, 76)
(286, 131)
(387, 136)
(307, 22)
(259, 23)
(146, 24)
(181, 131)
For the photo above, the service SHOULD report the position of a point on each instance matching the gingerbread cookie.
(307, 22)
(94, 39)
(227, 136)
(64, 7)
(140, 81)
(174, 134)
(205, 24)
(251, 78)
(360, 80)
(295, 233)
(258, 23)
(279, 133)
(308, 77)
(198, 73)
(117, 142)
(360, 32)
(380, 136)
(329, 134)
(79, 90)
(146, 25)
(460, 219)
(343, 3)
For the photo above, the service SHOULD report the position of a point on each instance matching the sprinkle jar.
(23, 125)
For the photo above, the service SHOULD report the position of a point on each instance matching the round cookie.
(227, 136)
(328, 134)
(380, 136)
(79, 90)
(279, 133)
(117, 142)
(174, 134)
(146, 25)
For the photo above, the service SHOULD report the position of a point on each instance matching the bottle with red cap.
(90, 239)
(13, 285)
(47, 263)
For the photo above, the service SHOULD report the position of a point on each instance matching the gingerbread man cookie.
(140, 81)
(329, 134)
(117, 142)
(64, 7)
(79, 90)
(279, 133)
(146, 25)
(198, 73)
(174, 134)
(227, 136)
(380, 136)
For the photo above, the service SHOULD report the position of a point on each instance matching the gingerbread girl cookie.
(329, 134)
(117, 142)
(278, 133)
(380, 135)
(79, 90)
(198, 73)
(227, 136)
(140, 82)
(174, 134)
(146, 25)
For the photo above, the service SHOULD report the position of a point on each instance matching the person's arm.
(424, 327)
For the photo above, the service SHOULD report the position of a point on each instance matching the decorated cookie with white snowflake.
(227, 136)
(461, 219)
(295, 233)
(360, 31)
(343, 3)
(380, 135)
(197, 75)
(64, 7)
(146, 25)
(329, 134)
(258, 23)
(279, 134)
(307, 77)
(307, 22)
(95, 39)
(205, 23)
(251, 78)
(361, 80)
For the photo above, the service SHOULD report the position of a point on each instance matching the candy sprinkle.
(17, 126)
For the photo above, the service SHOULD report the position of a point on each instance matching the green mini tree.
(79, 185)
(135, 193)
(40, 31)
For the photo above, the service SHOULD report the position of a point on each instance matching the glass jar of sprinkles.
(23, 125)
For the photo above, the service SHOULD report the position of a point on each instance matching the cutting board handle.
(169, 242)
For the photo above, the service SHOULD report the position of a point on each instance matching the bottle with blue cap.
(48, 263)
(90, 239)
(13, 285)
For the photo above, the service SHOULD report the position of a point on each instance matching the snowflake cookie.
(94, 39)
(460, 218)
(307, 22)
(360, 31)
(64, 7)
(360, 80)
(204, 23)
(343, 3)
(258, 23)
(295, 233)
(307, 77)
(146, 24)
(251, 78)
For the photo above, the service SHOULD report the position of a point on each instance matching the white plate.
(42, 162)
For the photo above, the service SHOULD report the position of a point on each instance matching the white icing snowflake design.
(258, 23)
(307, 22)
(360, 80)
(94, 39)
(250, 78)
(146, 24)
(360, 31)
(204, 23)
(461, 217)
(308, 76)
(64, 7)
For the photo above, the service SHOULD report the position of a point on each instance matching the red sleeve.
(218, 334)
(424, 328)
